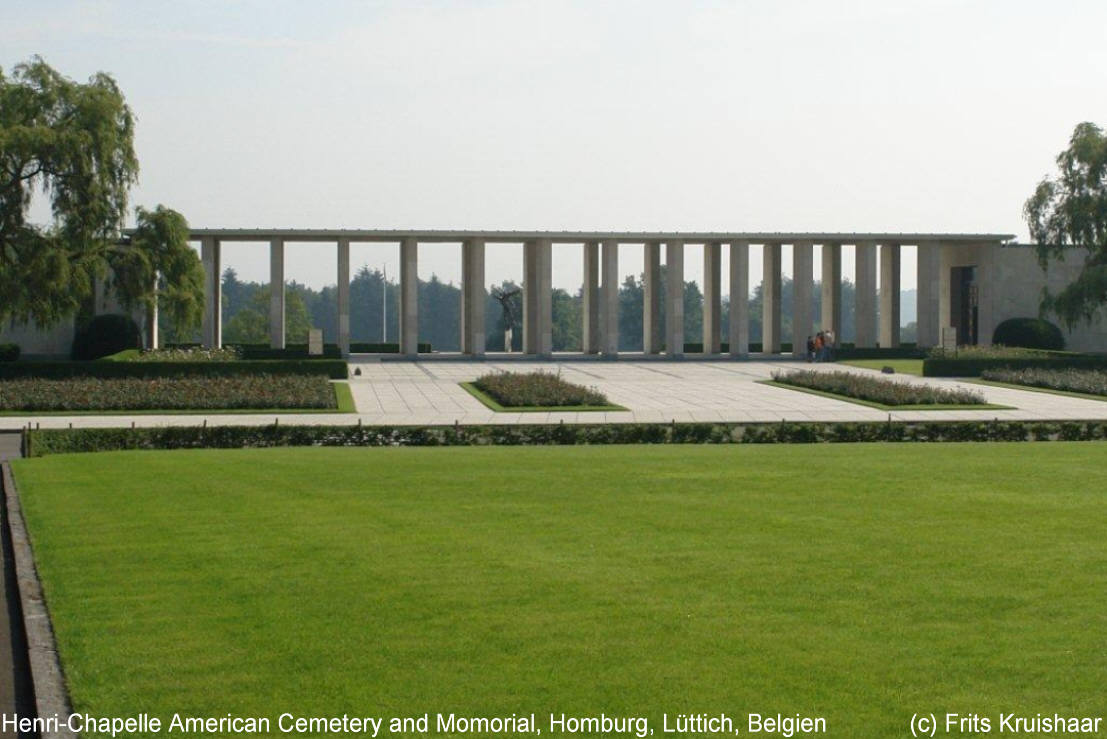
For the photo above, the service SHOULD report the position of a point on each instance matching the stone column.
(590, 299)
(946, 257)
(651, 298)
(276, 293)
(889, 296)
(609, 299)
(537, 305)
(212, 328)
(409, 297)
(712, 297)
(802, 308)
(344, 297)
(152, 339)
(770, 296)
(832, 290)
(674, 298)
(986, 276)
(865, 301)
(739, 299)
(926, 309)
(473, 297)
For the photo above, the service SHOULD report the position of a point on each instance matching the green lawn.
(901, 366)
(859, 582)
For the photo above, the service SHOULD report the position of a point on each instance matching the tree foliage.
(158, 267)
(1070, 212)
(74, 144)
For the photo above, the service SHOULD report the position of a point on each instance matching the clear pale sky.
(743, 116)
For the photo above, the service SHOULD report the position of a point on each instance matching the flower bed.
(1091, 382)
(168, 393)
(877, 389)
(178, 354)
(537, 389)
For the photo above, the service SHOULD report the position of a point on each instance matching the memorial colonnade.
(600, 293)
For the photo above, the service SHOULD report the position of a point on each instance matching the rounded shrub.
(106, 334)
(9, 352)
(1029, 333)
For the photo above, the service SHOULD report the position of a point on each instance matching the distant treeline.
(246, 312)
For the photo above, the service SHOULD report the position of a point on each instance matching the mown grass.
(859, 582)
(901, 366)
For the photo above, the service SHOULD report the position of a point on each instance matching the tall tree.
(74, 143)
(158, 268)
(1069, 214)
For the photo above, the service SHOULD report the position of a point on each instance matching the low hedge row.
(903, 351)
(43, 442)
(9, 352)
(974, 366)
(291, 351)
(335, 369)
(330, 351)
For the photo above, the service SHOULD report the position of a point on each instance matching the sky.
(928, 116)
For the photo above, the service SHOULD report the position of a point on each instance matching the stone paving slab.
(428, 393)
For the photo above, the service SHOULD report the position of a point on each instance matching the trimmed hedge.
(292, 351)
(974, 366)
(335, 369)
(1029, 333)
(370, 347)
(38, 443)
(903, 351)
(9, 352)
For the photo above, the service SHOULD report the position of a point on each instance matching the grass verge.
(885, 407)
(624, 580)
(491, 403)
(901, 366)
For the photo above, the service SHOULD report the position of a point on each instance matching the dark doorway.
(963, 304)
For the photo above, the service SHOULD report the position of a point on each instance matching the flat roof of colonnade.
(577, 237)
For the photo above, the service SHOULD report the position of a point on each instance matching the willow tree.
(73, 144)
(1067, 215)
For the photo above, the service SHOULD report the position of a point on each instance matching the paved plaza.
(427, 392)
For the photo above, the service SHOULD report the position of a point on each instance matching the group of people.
(820, 346)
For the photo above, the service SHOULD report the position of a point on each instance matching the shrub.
(66, 441)
(1029, 333)
(292, 351)
(1093, 382)
(190, 354)
(106, 334)
(9, 352)
(877, 389)
(972, 364)
(529, 389)
(368, 347)
(177, 393)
